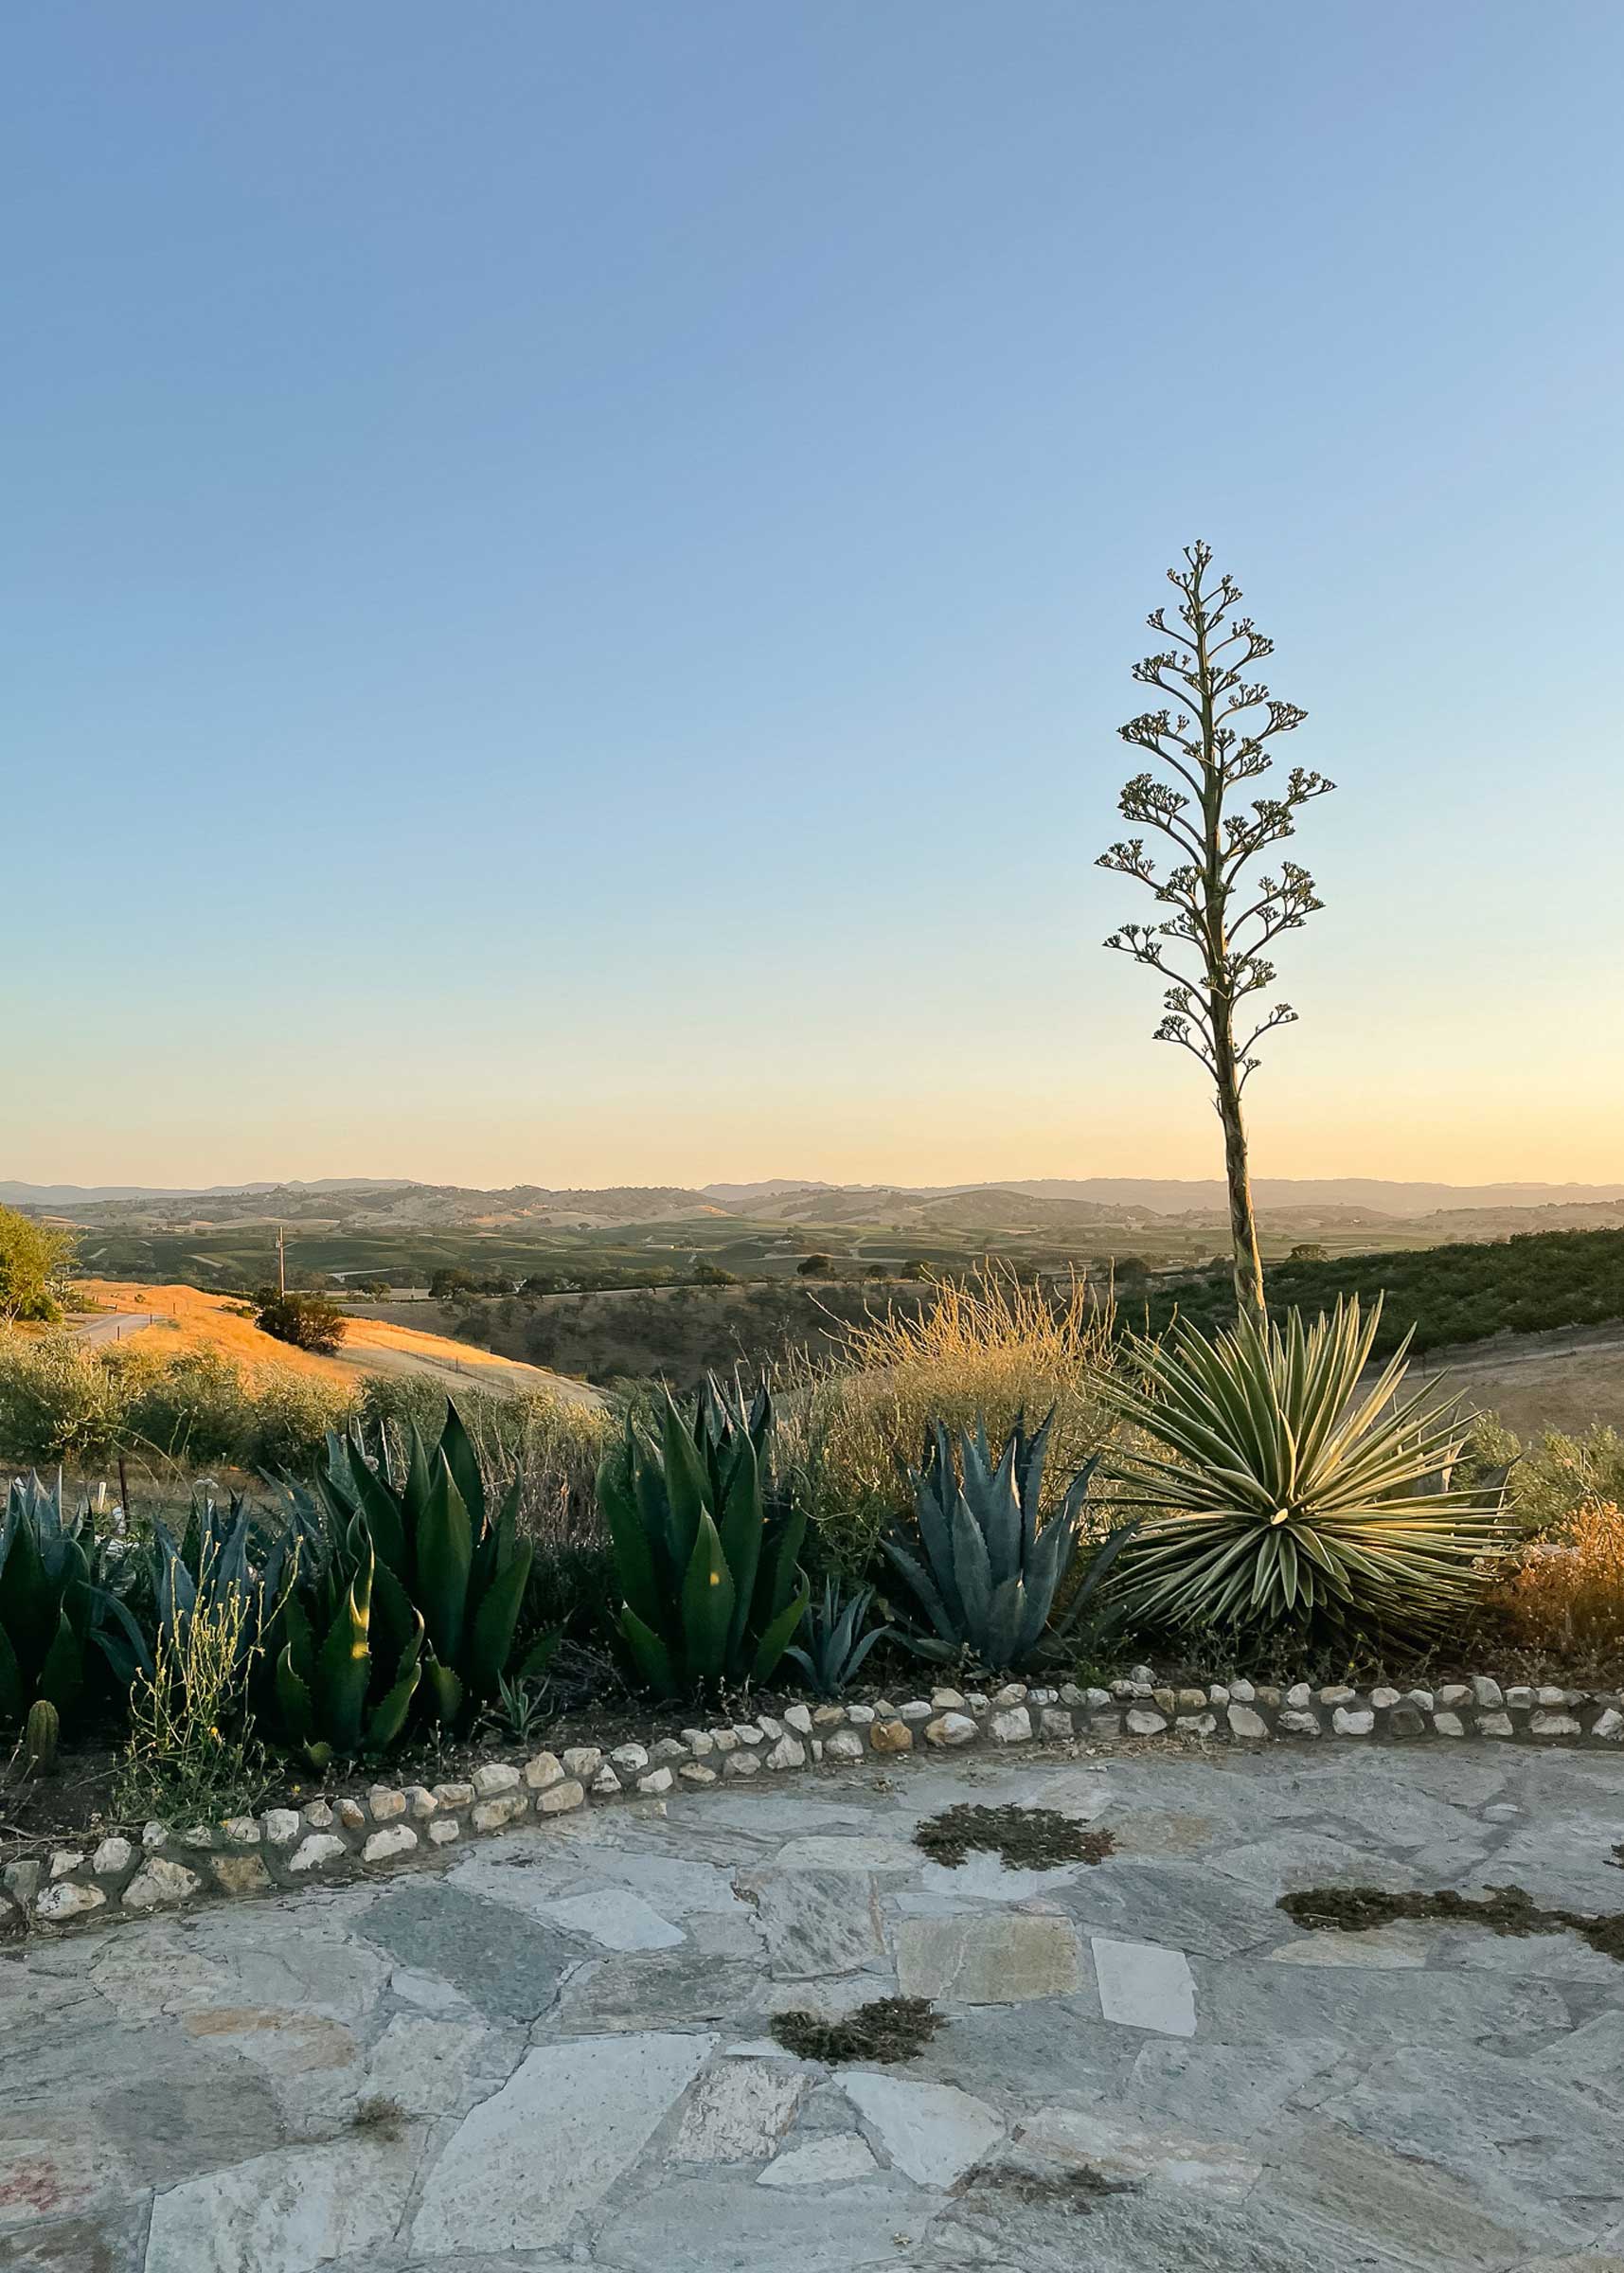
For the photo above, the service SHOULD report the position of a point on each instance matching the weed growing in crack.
(1501, 1909)
(1027, 1839)
(886, 2029)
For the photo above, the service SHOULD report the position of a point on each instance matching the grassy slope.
(191, 1320)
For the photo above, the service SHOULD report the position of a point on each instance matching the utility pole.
(281, 1262)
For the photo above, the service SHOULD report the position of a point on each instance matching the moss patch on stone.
(886, 2029)
(1501, 1909)
(1027, 1839)
(1074, 2189)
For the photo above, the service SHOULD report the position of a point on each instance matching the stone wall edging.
(286, 1848)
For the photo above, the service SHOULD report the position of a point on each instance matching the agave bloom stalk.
(1279, 1488)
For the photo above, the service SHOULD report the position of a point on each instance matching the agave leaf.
(29, 1605)
(445, 1690)
(293, 1699)
(491, 1643)
(686, 1484)
(344, 1663)
(456, 1449)
(739, 1527)
(707, 1605)
(445, 1550)
(653, 1660)
(389, 1716)
(775, 1638)
(381, 1511)
(628, 1540)
(540, 1654)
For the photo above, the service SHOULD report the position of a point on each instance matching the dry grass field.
(183, 1317)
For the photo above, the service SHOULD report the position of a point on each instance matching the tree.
(1309, 1251)
(1210, 947)
(815, 1266)
(305, 1321)
(32, 1259)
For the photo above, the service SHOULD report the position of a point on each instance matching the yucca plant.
(987, 1570)
(832, 1642)
(61, 1620)
(710, 1584)
(1282, 1491)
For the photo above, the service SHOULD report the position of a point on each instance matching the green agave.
(711, 1587)
(1282, 1491)
(987, 1572)
(62, 1620)
(406, 1596)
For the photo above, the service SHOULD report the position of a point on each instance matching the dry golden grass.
(985, 1350)
(191, 1319)
(1566, 1598)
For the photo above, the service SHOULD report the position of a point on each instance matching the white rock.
(321, 1847)
(282, 1826)
(1143, 1721)
(1013, 1727)
(748, 1734)
(698, 1742)
(65, 1901)
(787, 1753)
(159, 1882)
(1299, 1696)
(1145, 1986)
(559, 1799)
(1054, 1722)
(317, 1814)
(387, 1803)
(831, 2161)
(1384, 1699)
(860, 1715)
(490, 1815)
(1242, 1693)
(1495, 1724)
(582, 1760)
(1244, 1722)
(384, 1845)
(114, 1854)
(696, 1772)
(421, 1802)
(442, 1832)
(946, 1700)
(498, 1776)
(1352, 1720)
(1609, 1724)
(844, 1744)
(1299, 1723)
(916, 1709)
(931, 2132)
(741, 1763)
(1551, 1724)
(630, 1759)
(655, 1782)
(606, 1783)
(241, 1831)
(770, 1729)
(568, 2123)
(1450, 1723)
(543, 1769)
(949, 1730)
(724, 1739)
(1486, 1693)
(453, 1794)
(65, 1860)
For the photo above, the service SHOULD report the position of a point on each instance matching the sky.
(570, 570)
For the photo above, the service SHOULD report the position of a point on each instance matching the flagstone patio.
(556, 2052)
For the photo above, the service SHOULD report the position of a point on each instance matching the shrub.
(59, 1402)
(981, 1352)
(32, 1259)
(61, 1618)
(192, 1752)
(1557, 1476)
(1281, 1490)
(1566, 1598)
(305, 1321)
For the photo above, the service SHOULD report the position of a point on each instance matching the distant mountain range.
(1035, 1203)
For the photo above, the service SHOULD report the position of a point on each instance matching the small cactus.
(41, 1733)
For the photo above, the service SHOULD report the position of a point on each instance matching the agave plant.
(709, 1580)
(833, 1641)
(351, 1654)
(223, 1551)
(987, 1570)
(61, 1616)
(1282, 1490)
(440, 1551)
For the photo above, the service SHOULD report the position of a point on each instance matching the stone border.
(287, 1848)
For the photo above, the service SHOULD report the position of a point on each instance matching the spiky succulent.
(1279, 1486)
(711, 1590)
(982, 1567)
(832, 1642)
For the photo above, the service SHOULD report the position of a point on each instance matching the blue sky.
(570, 572)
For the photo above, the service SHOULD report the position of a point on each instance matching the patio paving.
(556, 2051)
